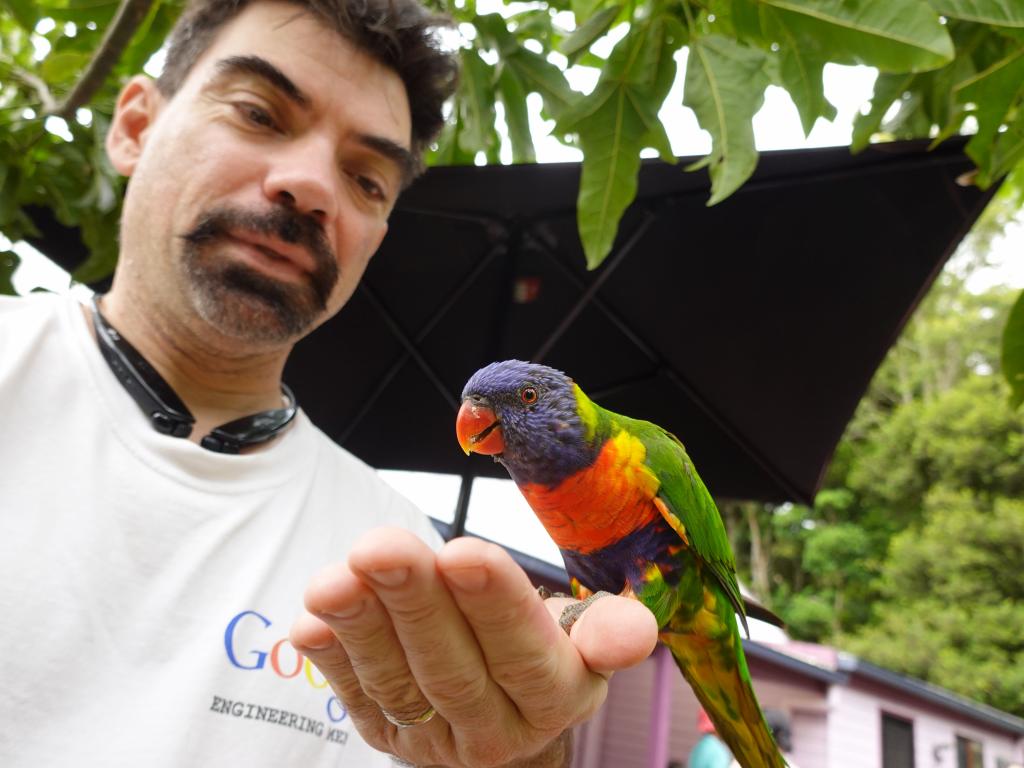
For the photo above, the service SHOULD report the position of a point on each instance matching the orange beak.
(478, 429)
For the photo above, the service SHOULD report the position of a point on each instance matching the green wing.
(686, 496)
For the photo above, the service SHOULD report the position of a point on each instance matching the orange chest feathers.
(602, 503)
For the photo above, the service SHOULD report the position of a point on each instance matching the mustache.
(283, 223)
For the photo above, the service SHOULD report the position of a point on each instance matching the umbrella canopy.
(750, 329)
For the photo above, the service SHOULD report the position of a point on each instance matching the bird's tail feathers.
(725, 692)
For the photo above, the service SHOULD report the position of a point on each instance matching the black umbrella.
(751, 329)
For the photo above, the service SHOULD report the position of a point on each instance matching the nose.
(303, 176)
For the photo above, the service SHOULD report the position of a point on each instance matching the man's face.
(263, 187)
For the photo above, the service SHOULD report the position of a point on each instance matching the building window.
(897, 742)
(968, 753)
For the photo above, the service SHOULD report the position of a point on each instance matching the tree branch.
(127, 19)
(38, 86)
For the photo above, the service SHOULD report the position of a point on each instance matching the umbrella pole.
(462, 506)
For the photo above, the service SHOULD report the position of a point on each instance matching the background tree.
(910, 555)
(953, 600)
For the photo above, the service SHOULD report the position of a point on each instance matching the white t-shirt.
(147, 585)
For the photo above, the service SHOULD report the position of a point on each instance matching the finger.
(527, 653)
(614, 633)
(315, 640)
(309, 633)
(439, 645)
(369, 664)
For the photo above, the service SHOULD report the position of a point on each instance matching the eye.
(371, 188)
(528, 395)
(255, 115)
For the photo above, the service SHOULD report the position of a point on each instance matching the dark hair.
(400, 34)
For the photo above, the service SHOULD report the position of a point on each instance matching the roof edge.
(853, 665)
(756, 650)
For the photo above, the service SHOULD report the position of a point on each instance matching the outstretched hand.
(403, 629)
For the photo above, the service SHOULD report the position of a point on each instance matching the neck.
(216, 377)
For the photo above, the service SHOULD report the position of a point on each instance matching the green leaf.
(1013, 352)
(513, 97)
(888, 88)
(493, 31)
(448, 151)
(149, 37)
(939, 104)
(99, 11)
(747, 21)
(894, 35)
(475, 102)
(588, 32)
(519, 72)
(534, 24)
(9, 262)
(10, 180)
(98, 233)
(541, 76)
(924, 102)
(616, 121)
(23, 11)
(993, 91)
(1000, 13)
(584, 9)
(65, 66)
(1009, 147)
(725, 82)
(800, 72)
(104, 193)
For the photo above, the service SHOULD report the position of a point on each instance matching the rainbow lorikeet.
(625, 505)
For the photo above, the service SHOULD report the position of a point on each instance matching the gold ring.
(425, 717)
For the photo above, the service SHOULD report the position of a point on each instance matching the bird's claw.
(545, 593)
(572, 612)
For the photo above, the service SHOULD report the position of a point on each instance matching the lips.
(282, 253)
(478, 429)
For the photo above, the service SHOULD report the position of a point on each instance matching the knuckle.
(508, 615)
(457, 685)
(397, 691)
(417, 613)
(530, 673)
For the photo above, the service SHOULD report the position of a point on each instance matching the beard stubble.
(243, 302)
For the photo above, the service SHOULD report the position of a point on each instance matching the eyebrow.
(399, 155)
(263, 69)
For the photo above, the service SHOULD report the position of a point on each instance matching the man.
(150, 560)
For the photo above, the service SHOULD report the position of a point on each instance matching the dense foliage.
(911, 555)
(44, 49)
(945, 65)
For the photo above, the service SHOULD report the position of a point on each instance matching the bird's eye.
(528, 395)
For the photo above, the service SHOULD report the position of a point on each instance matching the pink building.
(842, 713)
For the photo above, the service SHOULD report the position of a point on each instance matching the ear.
(137, 108)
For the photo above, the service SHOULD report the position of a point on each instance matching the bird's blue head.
(531, 418)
